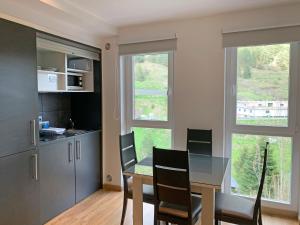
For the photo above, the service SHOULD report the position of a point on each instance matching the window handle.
(233, 91)
(296, 128)
(169, 92)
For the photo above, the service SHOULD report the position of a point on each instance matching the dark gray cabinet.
(19, 189)
(69, 172)
(18, 88)
(46, 179)
(87, 163)
(19, 185)
(57, 177)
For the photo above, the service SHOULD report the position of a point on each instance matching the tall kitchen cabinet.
(19, 189)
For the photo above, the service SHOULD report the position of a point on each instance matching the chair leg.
(260, 218)
(124, 209)
(155, 221)
(216, 222)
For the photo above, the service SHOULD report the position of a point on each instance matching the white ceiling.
(103, 17)
(129, 12)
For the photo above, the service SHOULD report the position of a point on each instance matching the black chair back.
(127, 151)
(199, 141)
(171, 179)
(257, 206)
(127, 155)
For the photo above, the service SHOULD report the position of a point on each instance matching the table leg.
(137, 201)
(208, 206)
(218, 190)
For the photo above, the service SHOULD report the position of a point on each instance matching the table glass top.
(206, 170)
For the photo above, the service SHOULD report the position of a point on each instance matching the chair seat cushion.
(233, 206)
(180, 210)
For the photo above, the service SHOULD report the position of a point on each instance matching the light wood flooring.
(104, 208)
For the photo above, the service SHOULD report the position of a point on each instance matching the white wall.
(199, 71)
(111, 120)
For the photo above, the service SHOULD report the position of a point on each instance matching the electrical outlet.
(109, 178)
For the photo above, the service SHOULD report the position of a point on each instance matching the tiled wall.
(55, 108)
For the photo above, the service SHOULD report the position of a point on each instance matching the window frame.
(130, 122)
(231, 127)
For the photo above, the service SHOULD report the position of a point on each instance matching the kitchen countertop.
(69, 133)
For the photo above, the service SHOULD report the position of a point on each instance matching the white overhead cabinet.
(63, 68)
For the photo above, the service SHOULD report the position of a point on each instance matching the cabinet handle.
(70, 152)
(78, 150)
(33, 132)
(35, 167)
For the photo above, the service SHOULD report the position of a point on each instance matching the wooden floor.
(104, 208)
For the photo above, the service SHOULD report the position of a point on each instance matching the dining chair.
(199, 141)
(128, 159)
(239, 210)
(172, 193)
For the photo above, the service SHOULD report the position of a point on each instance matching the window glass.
(150, 87)
(146, 138)
(247, 159)
(263, 85)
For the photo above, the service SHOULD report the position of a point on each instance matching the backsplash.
(55, 108)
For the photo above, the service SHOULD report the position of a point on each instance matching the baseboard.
(280, 212)
(112, 187)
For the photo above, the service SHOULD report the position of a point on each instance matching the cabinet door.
(18, 87)
(19, 189)
(57, 178)
(87, 154)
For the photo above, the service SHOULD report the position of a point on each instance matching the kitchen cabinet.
(36, 185)
(19, 189)
(57, 177)
(18, 88)
(64, 68)
(69, 172)
(87, 163)
(87, 107)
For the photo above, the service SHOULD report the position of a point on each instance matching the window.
(263, 76)
(262, 80)
(149, 100)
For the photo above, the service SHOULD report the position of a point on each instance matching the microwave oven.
(75, 81)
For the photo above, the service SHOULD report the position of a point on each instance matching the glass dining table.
(206, 176)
